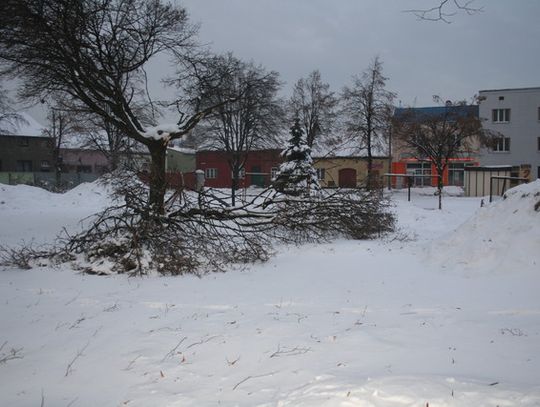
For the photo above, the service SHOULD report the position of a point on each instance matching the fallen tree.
(199, 232)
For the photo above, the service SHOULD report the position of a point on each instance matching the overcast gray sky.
(497, 48)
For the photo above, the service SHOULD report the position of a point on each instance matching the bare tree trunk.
(390, 157)
(113, 161)
(158, 182)
(369, 167)
(440, 184)
(234, 187)
(57, 168)
(369, 135)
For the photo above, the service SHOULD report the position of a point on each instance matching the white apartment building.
(515, 114)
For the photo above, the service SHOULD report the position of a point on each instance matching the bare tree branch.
(445, 10)
(79, 353)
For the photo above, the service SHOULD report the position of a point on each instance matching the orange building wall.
(400, 167)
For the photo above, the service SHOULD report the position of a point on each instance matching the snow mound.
(24, 197)
(21, 196)
(33, 214)
(503, 236)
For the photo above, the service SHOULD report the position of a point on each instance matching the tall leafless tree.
(101, 135)
(8, 116)
(94, 53)
(61, 126)
(314, 104)
(249, 115)
(454, 130)
(367, 110)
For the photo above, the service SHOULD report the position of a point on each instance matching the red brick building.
(260, 168)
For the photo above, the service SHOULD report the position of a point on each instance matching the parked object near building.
(515, 115)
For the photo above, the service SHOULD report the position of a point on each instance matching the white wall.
(523, 128)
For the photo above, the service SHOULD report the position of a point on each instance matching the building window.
(539, 113)
(45, 165)
(274, 172)
(320, 174)
(84, 168)
(538, 143)
(210, 173)
(24, 166)
(500, 115)
(456, 174)
(102, 169)
(24, 142)
(421, 173)
(502, 144)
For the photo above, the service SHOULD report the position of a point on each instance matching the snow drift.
(503, 236)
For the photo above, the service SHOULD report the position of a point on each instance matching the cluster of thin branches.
(23, 256)
(354, 214)
(199, 232)
(445, 10)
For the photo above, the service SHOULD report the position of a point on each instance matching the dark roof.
(421, 113)
(509, 89)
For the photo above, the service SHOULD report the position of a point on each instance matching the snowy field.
(446, 311)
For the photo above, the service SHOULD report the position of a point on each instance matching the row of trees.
(91, 57)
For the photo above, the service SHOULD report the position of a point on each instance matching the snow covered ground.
(427, 315)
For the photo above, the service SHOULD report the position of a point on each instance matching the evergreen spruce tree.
(296, 174)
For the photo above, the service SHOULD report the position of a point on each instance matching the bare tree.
(314, 104)
(103, 136)
(61, 126)
(249, 114)
(8, 116)
(445, 9)
(94, 54)
(367, 109)
(437, 135)
(201, 235)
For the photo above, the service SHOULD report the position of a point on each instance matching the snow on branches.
(296, 174)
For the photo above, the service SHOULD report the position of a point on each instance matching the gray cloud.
(496, 48)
